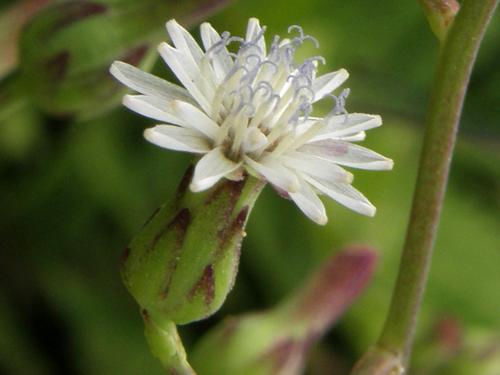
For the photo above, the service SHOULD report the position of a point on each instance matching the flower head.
(249, 111)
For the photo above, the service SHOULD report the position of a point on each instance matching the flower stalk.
(456, 59)
(166, 345)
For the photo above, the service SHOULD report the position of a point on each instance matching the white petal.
(340, 126)
(222, 62)
(316, 167)
(347, 154)
(209, 36)
(194, 118)
(183, 40)
(177, 138)
(253, 139)
(326, 83)
(304, 134)
(210, 169)
(254, 35)
(305, 124)
(152, 107)
(148, 84)
(188, 74)
(354, 137)
(309, 203)
(174, 112)
(345, 194)
(194, 61)
(275, 173)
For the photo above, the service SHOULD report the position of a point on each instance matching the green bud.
(451, 348)
(65, 52)
(478, 355)
(439, 346)
(12, 19)
(440, 15)
(67, 48)
(183, 263)
(276, 342)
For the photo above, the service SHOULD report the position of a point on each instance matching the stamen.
(235, 69)
(218, 109)
(252, 72)
(251, 56)
(245, 89)
(231, 85)
(262, 93)
(238, 132)
(223, 42)
(264, 86)
(245, 46)
(340, 100)
(297, 80)
(298, 41)
(260, 34)
(254, 42)
(305, 109)
(250, 109)
(296, 27)
(267, 72)
(308, 90)
(288, 53)
(274, 65)
(237, 39)
(274, 50)
(312, 39)
(264, 109)
(278, 100)
(319, 58)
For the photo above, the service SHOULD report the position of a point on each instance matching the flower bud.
(479, 353)
(67, 48)
(440, 15)
(276, 342)
(183, 263)
(442, 344)
(12, 19)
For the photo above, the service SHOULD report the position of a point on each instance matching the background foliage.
(73, 193)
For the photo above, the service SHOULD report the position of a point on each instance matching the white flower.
(248, 111)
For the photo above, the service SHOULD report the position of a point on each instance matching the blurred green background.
(74, 192)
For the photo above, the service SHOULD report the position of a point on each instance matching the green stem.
(457, 56)
(166, 345)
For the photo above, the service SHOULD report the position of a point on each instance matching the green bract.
(183, 263)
